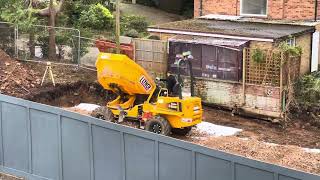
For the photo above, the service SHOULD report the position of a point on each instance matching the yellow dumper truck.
(140, 98)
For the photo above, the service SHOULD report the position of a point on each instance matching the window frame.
(291, 42)
(200, 71)
(253, 15)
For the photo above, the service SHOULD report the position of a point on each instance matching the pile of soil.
(15, 78)
(297, 133)
(9, 177)
(288, 156)
(22, 79)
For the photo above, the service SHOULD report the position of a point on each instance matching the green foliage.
(307, 89)
(137, 23)
(132, 33)
(97, 17)
(290, 50)
(154, 37)
(146, 2)
(7, 39)
(188, 10)
(16, 13)
(258, 56)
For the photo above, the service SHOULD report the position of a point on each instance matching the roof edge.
(206, 34)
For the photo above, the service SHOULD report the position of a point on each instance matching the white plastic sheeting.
(217, 130)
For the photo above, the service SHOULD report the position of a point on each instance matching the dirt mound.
(16, 78)
(22, 79)
(297, 133)
(289, 156)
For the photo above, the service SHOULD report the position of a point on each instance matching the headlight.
(173, 106)
(188, 120)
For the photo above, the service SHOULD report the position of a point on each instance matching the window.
(291, 41)
(254, 7)
(209, 61)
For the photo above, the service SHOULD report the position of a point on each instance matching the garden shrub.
(132, 33)
(97, 17)
(137, 23)
(308, 89)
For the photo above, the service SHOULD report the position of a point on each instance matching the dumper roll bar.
(186, 57)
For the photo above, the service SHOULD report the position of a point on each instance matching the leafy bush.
(154, 37)
(290, 50)
(137, 23)
(308, 89)
(97, 17)
(258, 56)
(132, 33)
(188, 10)
(146, 2)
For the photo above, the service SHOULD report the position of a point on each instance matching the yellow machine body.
(122, 75)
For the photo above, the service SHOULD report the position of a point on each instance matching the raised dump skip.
(42, 142)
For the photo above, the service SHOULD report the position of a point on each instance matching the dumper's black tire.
(181, 132)
(158, 125)
(103, 113)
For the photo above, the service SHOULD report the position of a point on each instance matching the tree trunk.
(52, 32)
(31, 44)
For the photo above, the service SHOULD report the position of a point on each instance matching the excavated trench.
(69, 95)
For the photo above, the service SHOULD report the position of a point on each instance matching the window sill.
(254, 15)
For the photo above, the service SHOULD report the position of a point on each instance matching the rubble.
(15, 78)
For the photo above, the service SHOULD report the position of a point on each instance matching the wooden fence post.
(244, 76)
(281, 82)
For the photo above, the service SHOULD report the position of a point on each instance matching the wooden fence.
(151, 55)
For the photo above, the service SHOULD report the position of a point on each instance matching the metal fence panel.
(45, 156)
(75, 149)
(174, 163)
(8, 33)
(107, 164)
(34, 45)
(15, 136)
(40, 142)
(139, 157)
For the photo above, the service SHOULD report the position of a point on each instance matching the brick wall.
(277, 9)
(304, 41)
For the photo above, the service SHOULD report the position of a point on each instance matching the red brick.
(277, 9)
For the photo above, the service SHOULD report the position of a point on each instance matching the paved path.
(153, 15)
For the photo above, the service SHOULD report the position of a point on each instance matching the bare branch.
(44, 12)
(60, 6)
(56, 10)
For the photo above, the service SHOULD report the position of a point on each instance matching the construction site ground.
(296, 146)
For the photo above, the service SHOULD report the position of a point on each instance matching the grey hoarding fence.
(43, 142)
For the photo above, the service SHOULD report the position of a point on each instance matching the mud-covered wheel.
(103, 113)
(181, 132)
(158, 125)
